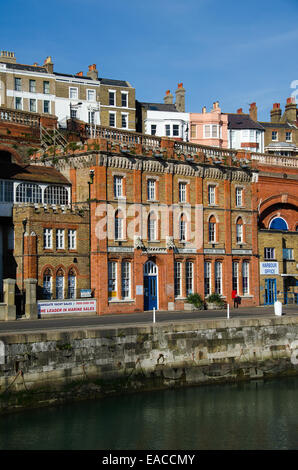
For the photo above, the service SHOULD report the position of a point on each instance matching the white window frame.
(60, 239)
(73, 93)
(18, 84)
(125, 116)
(20, 101)
(211, 194)
(118, 186)
(245, 278)
(218, 277)
(43, 107)
(182, 229)
(71, 289)
(207, 278)
(92, 92)
(235, 275)
(239, 197)
(189, 277)
(124, 93)
(239, 233)
(32, 101)
(72, 239)
(47, 286)
(126, 280)
(177, 278)
(48, 239)
(61, 288)
(112, 113)
(289, 133)
(182, 191)
(118, 228)
(152, 228)
(276, 136)
(112, 92)
(211, 232)
(151, 189)
(112, 278)
(32, 86)
(46, 87)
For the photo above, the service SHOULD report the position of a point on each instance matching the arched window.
(56, 195)
(212, 229)
(28, 192)
(152, 227)
(278, 224)
(60, 284)
(71, 284)
(239, 230)
(118, 225)
(182, 228)
(47, 284)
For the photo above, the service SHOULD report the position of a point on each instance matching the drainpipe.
(91, 173)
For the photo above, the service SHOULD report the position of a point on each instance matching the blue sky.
(234, 52)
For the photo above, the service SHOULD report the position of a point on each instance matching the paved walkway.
(66, 322)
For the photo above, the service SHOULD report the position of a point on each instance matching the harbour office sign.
(269, 268)
(66, 306)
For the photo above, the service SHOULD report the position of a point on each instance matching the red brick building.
(167, 219)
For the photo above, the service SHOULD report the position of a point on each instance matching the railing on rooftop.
(124, 137)
(19, 117)
(276, 160)
(213, 152)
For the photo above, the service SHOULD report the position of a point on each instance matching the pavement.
(67, 322)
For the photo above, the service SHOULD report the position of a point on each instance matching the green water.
(253, 415)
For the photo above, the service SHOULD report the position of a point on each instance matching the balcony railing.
(19, 117)
(276, 160)
(121, 136)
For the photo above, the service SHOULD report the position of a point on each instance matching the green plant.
(215, 299)
(196, 300)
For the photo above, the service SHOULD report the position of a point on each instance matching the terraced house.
(83, 97)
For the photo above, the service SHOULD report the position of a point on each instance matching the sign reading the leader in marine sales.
(67, 306)
(269, 268)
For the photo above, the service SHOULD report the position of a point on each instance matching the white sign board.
(67, 306)
(269, 268)
(139, 290)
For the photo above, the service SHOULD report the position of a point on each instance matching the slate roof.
(159, 107)
(29, 68)
(243, 121)
(34, 173)
(285, 125)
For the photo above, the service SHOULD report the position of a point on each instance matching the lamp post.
(91, 174)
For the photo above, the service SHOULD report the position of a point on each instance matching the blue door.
(150, 286)
(150, 292)
(270, 291)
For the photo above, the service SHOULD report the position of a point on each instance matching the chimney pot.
(276, 105)
(239, 111)
(79, 74)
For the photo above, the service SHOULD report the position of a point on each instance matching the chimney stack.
(180, 98)
(168, 99)
(8, 57)
(275, 113)
(92, 72)
(290, 110)
(239, 111)
(48, 64)
(253, 111)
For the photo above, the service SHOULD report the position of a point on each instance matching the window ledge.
(120, 301)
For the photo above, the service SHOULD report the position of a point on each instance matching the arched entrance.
(150, 285)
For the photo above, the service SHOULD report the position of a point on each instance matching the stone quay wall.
(55, 366)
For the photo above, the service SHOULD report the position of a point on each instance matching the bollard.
(153, 314)
(228, 311)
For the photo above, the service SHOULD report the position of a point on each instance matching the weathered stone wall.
(54, 366)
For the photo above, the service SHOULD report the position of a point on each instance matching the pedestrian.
(235, 298)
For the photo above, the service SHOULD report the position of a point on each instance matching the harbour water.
(252, 415)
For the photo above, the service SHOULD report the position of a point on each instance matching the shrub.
(215, 299)
(196, 300)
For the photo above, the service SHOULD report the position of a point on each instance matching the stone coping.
(144, 328)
